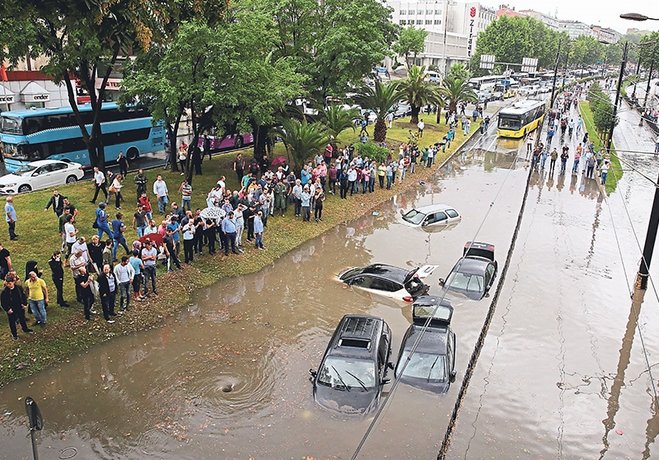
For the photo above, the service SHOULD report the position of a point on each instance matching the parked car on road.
(474, 274)
(431, 215)
(40, 174)
(431, 364)
(389, 281)
(354, 367)
(402, 109)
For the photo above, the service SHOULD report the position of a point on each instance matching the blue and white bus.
(39, 134)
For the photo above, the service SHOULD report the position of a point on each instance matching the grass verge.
(615, 172)
(68, 333)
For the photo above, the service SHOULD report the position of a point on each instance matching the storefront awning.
(6, 96)
(34, 92)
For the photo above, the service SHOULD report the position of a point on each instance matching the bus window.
(507, 122)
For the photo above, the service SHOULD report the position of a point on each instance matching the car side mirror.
(385, 381)
(401, 212)
(442, 281)
(487, 294)
(424, 223)
(312, 374)
(451, 376)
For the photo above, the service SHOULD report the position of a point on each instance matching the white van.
(433, 76)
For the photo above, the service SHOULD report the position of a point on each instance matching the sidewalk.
(628, 136)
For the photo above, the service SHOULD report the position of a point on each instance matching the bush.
(373, 151)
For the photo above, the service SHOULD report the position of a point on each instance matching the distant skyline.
(592, 12)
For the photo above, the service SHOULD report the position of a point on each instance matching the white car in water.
(40, 174)
(431, 215)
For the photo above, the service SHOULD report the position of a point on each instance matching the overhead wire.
(428, 321)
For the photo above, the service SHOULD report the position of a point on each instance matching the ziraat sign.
(470, 43)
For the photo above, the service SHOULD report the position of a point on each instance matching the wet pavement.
(228, 378)
(563, 373)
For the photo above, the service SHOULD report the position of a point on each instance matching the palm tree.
(337, 119)
(456, 90)
(418, 91)
(301, 139)
(380, 99)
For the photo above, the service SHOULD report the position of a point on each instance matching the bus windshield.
(509, 122)
(10, 125)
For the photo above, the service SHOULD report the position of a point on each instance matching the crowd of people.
(112, 270)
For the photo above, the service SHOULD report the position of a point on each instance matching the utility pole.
(647, 89)
(553, 85)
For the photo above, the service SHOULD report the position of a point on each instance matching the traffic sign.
(487, 61)
(529, 65)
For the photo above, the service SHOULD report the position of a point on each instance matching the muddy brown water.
(228, 377)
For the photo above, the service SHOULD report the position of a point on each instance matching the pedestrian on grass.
(186, 194)
(161, 193)
(84, 281)
(258, 230)
(14, 302)
(319, 198)
(306, 204)
(229, 230)
(107, 289)
(57, 273)
(100, 184)
(149, 254)
(141, 182)
(138, 267)
(125, 274)
(116, 189)
(101, 221)
(11, 218)
(118, 230)
(57, 202)
(122, 161)
(37, 297)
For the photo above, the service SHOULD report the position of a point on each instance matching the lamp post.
(653, 224)
(609, 139)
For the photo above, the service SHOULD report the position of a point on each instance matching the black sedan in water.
(431, 366)
(474, 274)
(354, 367)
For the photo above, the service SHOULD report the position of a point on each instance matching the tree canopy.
(411, 42)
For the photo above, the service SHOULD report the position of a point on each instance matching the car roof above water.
(433, 208)
(356, 335)
(386, 271)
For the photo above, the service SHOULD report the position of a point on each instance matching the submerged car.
(434, 214)
(353, 369)
(40, 174)
(389, 281)
(431, 365)
(474, 274)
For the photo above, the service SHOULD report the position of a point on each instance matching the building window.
(438, 11)
(419, 11)
(419, 21)
(402, 22)
(428, 11)
(438, 22)
(428, 21)
(403, 12)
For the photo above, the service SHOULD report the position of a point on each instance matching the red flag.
(3, 73)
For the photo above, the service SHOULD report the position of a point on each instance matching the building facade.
(606, 35)
(547, 20)
(575, 29)
(26, 89)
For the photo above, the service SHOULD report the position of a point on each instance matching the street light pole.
(647, 89)
(553, 85)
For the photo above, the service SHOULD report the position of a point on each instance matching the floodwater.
(228, 378)
(563, 372)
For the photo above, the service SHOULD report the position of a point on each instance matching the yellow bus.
(520, 118)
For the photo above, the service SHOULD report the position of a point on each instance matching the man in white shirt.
(161, 192)
(81, 245)
(421, 126)
(124, 272)
(99, 184)
(70, 235)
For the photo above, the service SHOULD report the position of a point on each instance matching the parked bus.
(39, 134)
(485, 83)
(521, 118)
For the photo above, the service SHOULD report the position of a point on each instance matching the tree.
(80, 37)
(334, 43)
(459, 71)
(411, 41)
(380, 99)
(602, 109)
(301, 139)
(337, 119)
(418, 91)
(456, 90)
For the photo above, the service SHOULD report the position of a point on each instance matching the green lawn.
(68, 333)
(615, 172)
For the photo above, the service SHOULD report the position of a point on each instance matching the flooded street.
(561, 375)
(229, 377)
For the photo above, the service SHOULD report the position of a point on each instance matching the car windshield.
(414, 217)
(509, 123)
(25, 169)
(466, 282)
(350, 273)
(427, 366)
(353, 373)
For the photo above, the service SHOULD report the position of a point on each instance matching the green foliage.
(459, 71)
(418, 91)
(602, 109)
(373, 151)
(456, 90)
(337, 119)
(302, 139)
(411, 41)
(648, 50)
(380, 99)
(585, 51)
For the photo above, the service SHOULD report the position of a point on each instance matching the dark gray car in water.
(474, 274)
(353, 370)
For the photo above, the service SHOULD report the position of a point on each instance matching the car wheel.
(71, 180)
(239, 142)
(24, 188)
(132, 154)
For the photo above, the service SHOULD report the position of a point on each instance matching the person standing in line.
(122, 161)
(141, 182)
(140, 221)
(564, 157)
(37, 297)
(83, 283)
(11, 218)
(14, 302)
(99, 184)
(229, 230)
(186, 194)
(55, 264)
(107, 288)
(57, 202)
(258, 230)
(590, 166)
(604, 170)
(577, 159)
(188, 241)
(240, 226)
(161, 193)
(318, 204)
(431, 157)
(138, 267)
(552, 160)
(306, 204)
(125, 274)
